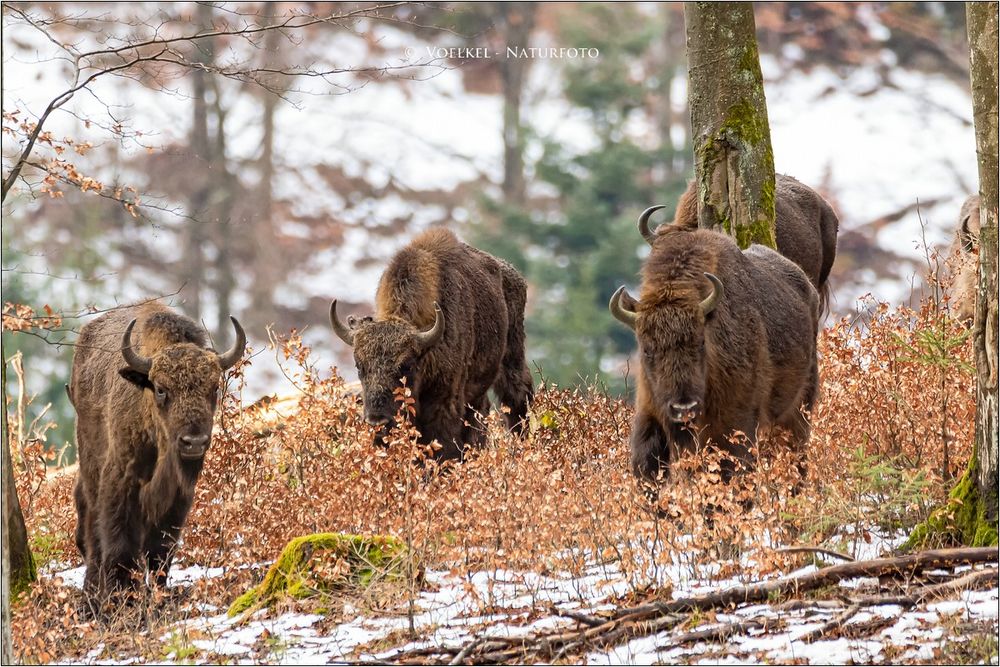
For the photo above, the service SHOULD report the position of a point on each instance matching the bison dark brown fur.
(805, 228)
(744, 362)
(450, 319)
(144, 385)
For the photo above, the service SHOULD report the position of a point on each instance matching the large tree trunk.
(18, 564)
(734, 163)
(970, 515)
(982, 26)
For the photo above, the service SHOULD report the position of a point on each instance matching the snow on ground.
(452, 609)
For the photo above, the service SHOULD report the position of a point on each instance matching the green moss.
(21, 578)
(743, 123)
(319, 564)
(750, 62)
(962, 520)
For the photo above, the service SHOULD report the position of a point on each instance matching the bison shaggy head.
(386, 353)
(671, 340)
(184, 381)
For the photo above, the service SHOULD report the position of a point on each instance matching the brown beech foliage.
(892, 405)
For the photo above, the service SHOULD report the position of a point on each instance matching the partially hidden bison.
(144, 385)
(449, 319)
(805, 227)
(727, 342)
(964, 261)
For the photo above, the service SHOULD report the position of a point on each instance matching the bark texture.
(19, 570)
(734, 162)
(983, 47)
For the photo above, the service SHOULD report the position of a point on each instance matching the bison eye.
(161, 394)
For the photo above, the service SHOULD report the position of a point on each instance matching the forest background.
(284, 171)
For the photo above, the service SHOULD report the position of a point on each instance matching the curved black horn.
(644, 229)
(136, 361)
(708, 305)
(343, 332)
(428, 338)
(618, 309)
(229, 358)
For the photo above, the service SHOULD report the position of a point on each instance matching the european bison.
(450, 320)
(964, 260)
(144, 385)
(727, 340)
(805, 227)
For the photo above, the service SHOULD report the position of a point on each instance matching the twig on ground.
(833, 623)
(818, 550)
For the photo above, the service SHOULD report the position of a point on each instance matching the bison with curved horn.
(805, 227)
(449, 319)
(144, 384)
(727, 342)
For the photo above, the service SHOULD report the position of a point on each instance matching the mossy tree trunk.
(734, 163)
(970, 515)
(982, 25)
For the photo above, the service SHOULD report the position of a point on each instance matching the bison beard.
(727, 341)
(144, 386)
(450, 320)
(805, 228)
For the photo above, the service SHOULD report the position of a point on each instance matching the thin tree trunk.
(734, 163)
(266, 256)
(519, 20)
(223, 191)
(19, 565)
(676, 158)
(6, 653)
(194, 238)
(982, 25)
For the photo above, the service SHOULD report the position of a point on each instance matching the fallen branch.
(904, 566)
(652, 618)
(719, 633)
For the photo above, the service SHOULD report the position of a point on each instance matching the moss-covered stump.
(962, 520)
(324, 563)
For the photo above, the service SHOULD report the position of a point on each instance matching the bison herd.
(726, 340)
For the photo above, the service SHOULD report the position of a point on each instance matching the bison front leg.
(445, 424)
(161, 540)
(120, 538)
(160, 545)
(650, 452)
(474, 424)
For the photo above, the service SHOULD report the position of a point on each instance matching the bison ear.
(140, 380)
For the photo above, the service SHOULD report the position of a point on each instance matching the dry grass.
(894, 422)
